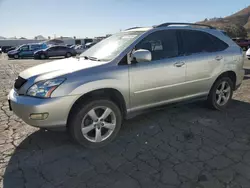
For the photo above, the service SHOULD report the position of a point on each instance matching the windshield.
(112, 46)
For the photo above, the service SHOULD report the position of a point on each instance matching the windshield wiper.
(91, 58)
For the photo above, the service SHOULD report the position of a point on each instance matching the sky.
(90, 18)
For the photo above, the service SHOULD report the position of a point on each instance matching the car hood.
(40, 50)
(58, 68)
(12, 52)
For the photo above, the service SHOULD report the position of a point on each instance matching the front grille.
(19, 82)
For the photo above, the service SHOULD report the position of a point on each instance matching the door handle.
(218, 58)
(179, 64)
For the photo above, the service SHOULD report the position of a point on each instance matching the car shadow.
(146, 144)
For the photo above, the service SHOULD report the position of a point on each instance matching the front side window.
(51, 48)
(62, 48)
(112, 46)
(198, 42)
(55, 48)
(161, 44)
(24, 48)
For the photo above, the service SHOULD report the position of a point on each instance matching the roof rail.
(190, 24)
(132, 28)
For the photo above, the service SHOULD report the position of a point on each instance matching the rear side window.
(219, 44)
(35, 47)
(198, 42)
(162, 44)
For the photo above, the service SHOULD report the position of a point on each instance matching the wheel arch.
(109, 93)
(230, 74)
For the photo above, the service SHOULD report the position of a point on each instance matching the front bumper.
(57, 108)
(11, 55)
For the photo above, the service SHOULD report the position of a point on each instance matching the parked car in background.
(55, 51)
(26, 50)
(0, 50)
(10, 48)
(89, 45)
(243, 43)
(153, 66)
(79, 49)
(73, 46)
(248, 53)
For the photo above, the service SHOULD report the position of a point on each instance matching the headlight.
(44, 88)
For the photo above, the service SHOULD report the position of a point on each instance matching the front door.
(52, 52)
(61, 51)
(158, 81)
(24, 51)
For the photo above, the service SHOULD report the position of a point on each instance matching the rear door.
(203, 56)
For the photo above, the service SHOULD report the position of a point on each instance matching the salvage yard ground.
(186, 146)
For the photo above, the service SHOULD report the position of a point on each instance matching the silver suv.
(133, 70)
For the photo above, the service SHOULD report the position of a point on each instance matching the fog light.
(39, 116)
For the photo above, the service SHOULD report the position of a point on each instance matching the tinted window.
(219, 44)
(62, 48)
(35, 47)
(52, 48)
(162, 44)
(197, 42)
(24, 48)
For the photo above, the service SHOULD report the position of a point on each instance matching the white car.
(0, 50)
(79, 49)
(248, 53)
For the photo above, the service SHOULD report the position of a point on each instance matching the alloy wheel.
(42, 56)
(223, 93)
(98, 124)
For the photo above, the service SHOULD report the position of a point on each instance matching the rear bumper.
(57, 109)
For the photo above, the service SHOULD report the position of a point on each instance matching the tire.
(16, 56)
(218, 94)
(81, 119)
(68, 55)
(42, 56)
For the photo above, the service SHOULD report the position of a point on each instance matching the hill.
(241, 18)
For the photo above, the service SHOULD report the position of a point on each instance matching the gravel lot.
(184, 146)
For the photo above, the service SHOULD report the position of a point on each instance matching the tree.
(235, 31)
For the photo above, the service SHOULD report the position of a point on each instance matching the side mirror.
(142, 56)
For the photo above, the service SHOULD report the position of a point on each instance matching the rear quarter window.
(219, 44)
(198, 42)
